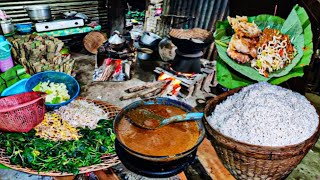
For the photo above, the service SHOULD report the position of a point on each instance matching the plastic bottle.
(5, 54)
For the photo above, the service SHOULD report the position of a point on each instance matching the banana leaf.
(297, 26)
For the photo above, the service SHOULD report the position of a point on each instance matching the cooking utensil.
(117, 41)
(7, 27)
(149, 120)
(144, 53)
(39, 12)
(150, 39)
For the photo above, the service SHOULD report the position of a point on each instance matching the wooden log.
(138, 94)
(142, 93)
(151, 94)
(168, 89)
(145, 86)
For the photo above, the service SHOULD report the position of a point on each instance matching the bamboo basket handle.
(22, 105)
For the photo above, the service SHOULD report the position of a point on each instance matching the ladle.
(149, 120)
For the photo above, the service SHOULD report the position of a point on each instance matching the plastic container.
(24, 28)
(5, 55)
(17, 88)
(56, 77)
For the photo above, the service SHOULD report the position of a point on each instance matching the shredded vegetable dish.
(80, 113)
(274, 52)
(55, 129)
(56, 92)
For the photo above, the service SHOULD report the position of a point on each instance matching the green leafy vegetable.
(27, 150)
(297, 26)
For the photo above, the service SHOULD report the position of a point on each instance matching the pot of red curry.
(168, 143)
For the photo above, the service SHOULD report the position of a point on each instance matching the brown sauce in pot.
(168, 140)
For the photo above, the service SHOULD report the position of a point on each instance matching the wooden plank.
(211, 162)
(106, 175)
(64, 178)
(182, 176)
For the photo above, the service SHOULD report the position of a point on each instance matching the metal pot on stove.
(117, 41)
(39, 12)
(150, 39)
(156, 165)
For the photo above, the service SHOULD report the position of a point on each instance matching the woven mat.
(107, 160)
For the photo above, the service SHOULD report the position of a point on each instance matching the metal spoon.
(148, 120)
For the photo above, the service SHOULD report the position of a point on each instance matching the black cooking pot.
(155, 166)
(190, 46)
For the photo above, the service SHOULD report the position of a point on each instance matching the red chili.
(281, 52)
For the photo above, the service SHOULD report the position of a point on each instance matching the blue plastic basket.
(56, 77)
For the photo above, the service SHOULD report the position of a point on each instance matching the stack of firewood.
(41, 53)
(158, 88)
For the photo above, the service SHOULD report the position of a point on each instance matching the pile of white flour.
(267, 115)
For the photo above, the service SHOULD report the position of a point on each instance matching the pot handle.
(147, 33)
(116, 32)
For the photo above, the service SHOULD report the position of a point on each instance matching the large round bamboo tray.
(108, 160)
(246, 161)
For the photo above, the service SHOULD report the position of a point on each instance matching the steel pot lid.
(152, 35)
(37, 7)
(116, 38)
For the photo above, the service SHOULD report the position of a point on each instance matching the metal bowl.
(144, 53)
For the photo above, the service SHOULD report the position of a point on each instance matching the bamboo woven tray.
(107, 160)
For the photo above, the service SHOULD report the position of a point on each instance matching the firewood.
(151, 94)
(144, 92)
(138, 94)
(145, 86)
(168, 89)
(109, 71)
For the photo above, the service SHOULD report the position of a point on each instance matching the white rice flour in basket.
(267, 115)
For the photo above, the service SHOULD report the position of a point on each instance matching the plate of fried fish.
(263, 48)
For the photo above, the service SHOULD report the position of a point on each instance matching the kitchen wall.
(94, 9)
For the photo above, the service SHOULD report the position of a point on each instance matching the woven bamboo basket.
(246, 161)
(108, 160)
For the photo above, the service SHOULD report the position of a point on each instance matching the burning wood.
(173, 87)
(144, 91)
(166, 85)
(111, 70)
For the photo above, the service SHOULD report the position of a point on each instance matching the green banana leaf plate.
(232, 75)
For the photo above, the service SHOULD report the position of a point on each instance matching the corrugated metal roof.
(95, 9)
(202, 14)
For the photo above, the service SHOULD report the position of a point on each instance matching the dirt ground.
(112, 91)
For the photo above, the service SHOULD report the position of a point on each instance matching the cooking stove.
(153, 169)
(58, 24)
(187, 63)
